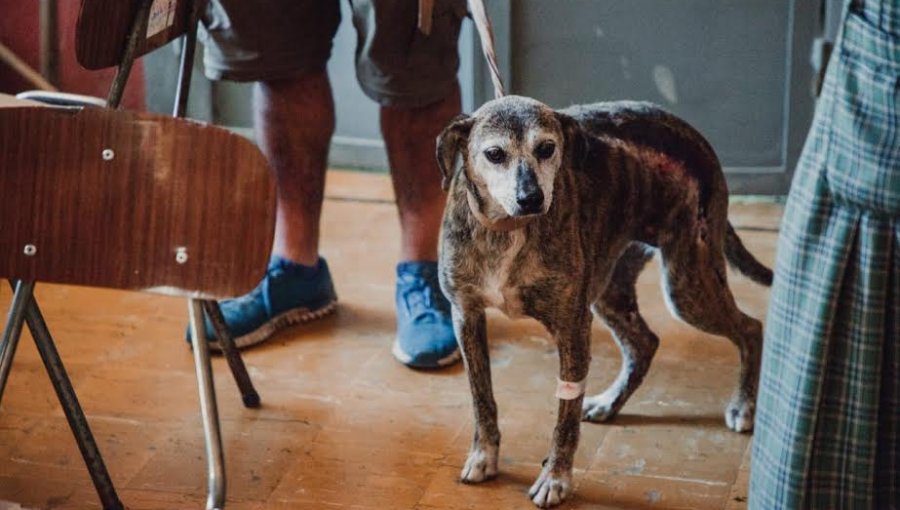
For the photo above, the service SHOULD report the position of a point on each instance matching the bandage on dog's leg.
(566, 390)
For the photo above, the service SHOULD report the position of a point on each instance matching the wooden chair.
(102, 197)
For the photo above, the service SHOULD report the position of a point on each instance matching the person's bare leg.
(425, 337)
(409, 135)
(294, 120)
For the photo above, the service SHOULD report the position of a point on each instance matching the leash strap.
(426, 8)
(570, 390)
(485, 33)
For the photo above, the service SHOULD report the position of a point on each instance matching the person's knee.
(303, 104)
(422, 122)
(311, 82)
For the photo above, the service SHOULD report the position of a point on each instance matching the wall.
(20, 32)
(737, 70)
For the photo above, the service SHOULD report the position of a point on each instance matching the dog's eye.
(545, 150)
(495, 155)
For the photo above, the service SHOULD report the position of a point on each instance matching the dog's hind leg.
(618, 309)
(471, 330)
(695, 282)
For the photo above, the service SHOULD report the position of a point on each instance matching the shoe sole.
(276, 324)
(406, 359)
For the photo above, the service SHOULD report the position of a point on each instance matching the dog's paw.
(480, 466)
(739, 415)
(550, 489)
(598, 408)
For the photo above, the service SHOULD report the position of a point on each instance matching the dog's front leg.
(471, 330)
(554, 483)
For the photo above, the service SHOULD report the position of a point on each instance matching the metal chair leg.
(230, 351)
(13, 330)
(189, 43)
(69, 401)
(215, 460)
(135, 35)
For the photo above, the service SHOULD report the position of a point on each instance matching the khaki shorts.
(396, 65)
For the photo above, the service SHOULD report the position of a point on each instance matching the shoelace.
(420, 299)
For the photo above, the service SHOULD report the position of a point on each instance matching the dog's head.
(512, 150)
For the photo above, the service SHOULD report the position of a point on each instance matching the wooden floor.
(343, 425)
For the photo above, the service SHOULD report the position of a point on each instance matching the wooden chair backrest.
(103, 26)
(131, 200)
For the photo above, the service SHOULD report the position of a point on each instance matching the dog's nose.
(530, 202)
(529, 196)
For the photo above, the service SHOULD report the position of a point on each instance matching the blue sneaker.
(289, 294)
(425, 336)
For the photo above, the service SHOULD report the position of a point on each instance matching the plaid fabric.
(828, 411)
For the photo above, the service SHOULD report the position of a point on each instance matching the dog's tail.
(744, 261)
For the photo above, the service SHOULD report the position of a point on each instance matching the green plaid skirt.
(828, 412)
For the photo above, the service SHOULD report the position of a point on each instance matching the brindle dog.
(554, 215)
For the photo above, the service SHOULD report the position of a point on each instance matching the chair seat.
(61, 98)
(132, 201)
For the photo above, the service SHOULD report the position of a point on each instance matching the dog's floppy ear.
(450, 142)
(576, 140)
